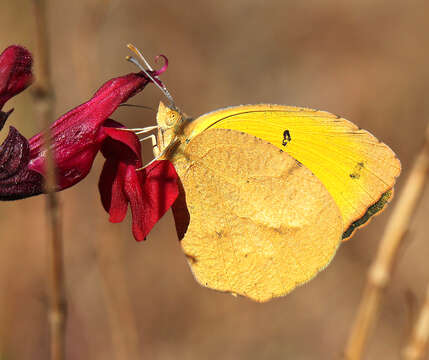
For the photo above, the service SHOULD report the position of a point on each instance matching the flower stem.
(417, 346)
(44, 101)
(114, 284)
(380, 271)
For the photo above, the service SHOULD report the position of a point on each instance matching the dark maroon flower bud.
(16, 180)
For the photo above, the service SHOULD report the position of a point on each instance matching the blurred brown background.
(364, 60)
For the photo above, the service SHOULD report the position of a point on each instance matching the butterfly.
(267, 193)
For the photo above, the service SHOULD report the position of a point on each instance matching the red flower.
(15, 72)
(77, 136)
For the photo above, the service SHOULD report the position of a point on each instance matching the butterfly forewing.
(356, 168)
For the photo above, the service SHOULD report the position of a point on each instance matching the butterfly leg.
(153, 138)
(144, 130)
(157, 153)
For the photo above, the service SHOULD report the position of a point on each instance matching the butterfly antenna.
(153, 79)
(138, 106)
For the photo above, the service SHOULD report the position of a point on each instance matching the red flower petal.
(120, 148)
(159, 193)
(113, 130)
(111, 185)
(135, 195)
(150, 192)
(180, 212)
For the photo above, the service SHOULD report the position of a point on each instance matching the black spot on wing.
(355, 174)
(286, 137)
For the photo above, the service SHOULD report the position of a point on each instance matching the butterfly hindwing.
(260, 222)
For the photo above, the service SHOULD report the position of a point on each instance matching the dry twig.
(110, 260)
(114, 284)
(417, 346)
(44, 101)
(380, 271)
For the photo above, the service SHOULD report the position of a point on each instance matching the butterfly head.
(170, 122)
(168, 117)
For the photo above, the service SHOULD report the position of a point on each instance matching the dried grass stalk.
(417, 346)
(116, 294)
(44, 101)
(380, 271)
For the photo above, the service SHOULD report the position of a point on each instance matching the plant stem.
(417, 346)
(44, 100)
(380, 271)
(120, 314)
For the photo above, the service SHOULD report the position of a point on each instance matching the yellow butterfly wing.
(358, 170)
(260, 222)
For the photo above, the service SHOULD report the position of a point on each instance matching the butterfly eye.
(168, 116)
(173, 118)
